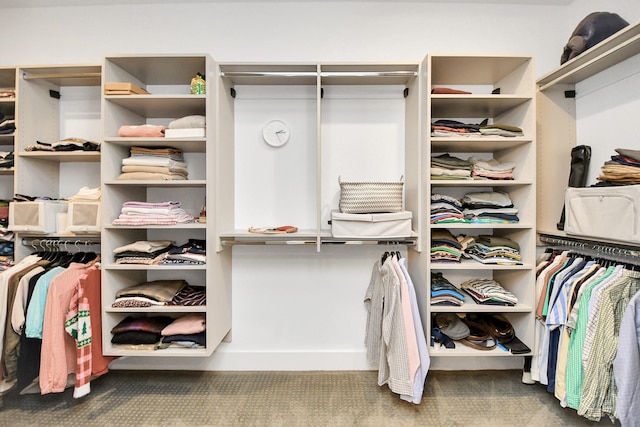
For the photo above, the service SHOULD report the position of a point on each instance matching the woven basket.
(370, 197)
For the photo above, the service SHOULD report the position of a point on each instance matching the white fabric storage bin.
(353, 226)
(84, 217)
(611, 213)
(35, 217)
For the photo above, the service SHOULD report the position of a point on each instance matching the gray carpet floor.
(336, 398)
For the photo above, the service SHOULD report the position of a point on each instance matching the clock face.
(276, 133)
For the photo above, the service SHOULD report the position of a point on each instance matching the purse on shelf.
(370, 197)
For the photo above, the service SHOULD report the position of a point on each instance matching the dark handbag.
(580, 159)
(593, 29)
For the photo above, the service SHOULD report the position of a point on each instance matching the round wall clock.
(276, 133)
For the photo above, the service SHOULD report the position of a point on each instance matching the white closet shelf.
(611, 51)
(62, 156)
(165, 352)
(155, 183)
(161, 106)
(470, 306)
(243, 237)
(10, 100)
(475, 265)
(191, 225)
(479, 183)
(80, 75)
(476, 144)
(187, 145)
(444, 106)
(158, 309)
(516, 226)
(6, 171)
(462, 350)
(141, 267)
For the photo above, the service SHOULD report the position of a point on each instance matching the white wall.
(294, 308)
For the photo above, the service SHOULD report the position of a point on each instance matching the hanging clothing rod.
(58, 241)
(613, 251)
(322, 74)
(36, 76)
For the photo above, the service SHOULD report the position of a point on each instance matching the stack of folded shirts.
(6, 159)
(488, 292)
(623, 168)
(445, 209)
(67, 144)
(152, 213)
(443, 292)
(192, 252)
(446, 166)
(494, 250)
(446, 127)
(142, 252)
(500, 129)
(7, 125)
(187, 331)
(489, 207)
(491, 169)
(191, 296)
(148, 294)
(154, 163)
(445, 247)
(140, 332)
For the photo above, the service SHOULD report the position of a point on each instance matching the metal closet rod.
(36, 76)
(603, 248)
(322, 74)
(60, 241)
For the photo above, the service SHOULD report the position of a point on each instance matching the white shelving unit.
(557, 131)
(167, 79)
(55, 102)
(355, 121)
(513, 105)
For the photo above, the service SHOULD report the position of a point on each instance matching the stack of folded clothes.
(443, 292)
(154, 163)
(188, 331)
(445, 247)
(491, 169)
(152, 213)
(488, 292)
(7, 125)
(142, 252)
(622, 169)
(446, 166)
(445, 209)
(149, 294)
(160, 292)
(67, 144)
(445, 127)
(492, 207)
(192, 252)
(488, 249)
(6, 159)
(157, 332)
(500, 129)
(140, 332)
